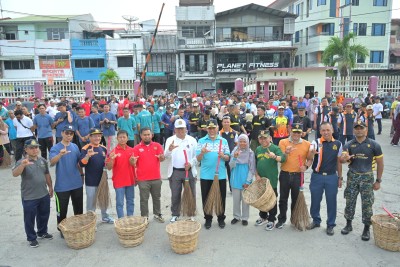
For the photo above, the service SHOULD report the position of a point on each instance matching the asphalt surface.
(236, 245)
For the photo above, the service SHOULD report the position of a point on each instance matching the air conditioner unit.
(391, 66)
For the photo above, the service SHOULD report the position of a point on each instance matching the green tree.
(343, 53)
(109, 78)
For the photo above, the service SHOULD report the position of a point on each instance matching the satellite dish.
(88, 27)
(130, 19)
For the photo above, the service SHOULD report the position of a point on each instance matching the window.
(196, 63)
(360, 59)
(321, 2)
(355, 28)
(352, 2)
(57, 33)
(89, 63)
(53, 57)
(296, 61)
(11, 36)
(328, 29)
(194, 31)
(378, 29)
(297, 37)
(346, 26)
(362, 29)
(380, 2)
(298, 9)
(223, 34)
(306, 36)
(125, 62)
(19, 65)
(376, 57)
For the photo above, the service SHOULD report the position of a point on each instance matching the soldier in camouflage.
(360, 153)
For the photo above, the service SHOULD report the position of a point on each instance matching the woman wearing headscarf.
(222, 112)
(242, 165)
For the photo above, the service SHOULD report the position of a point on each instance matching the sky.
(113, 10)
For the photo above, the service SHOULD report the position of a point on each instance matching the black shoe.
(33, 243)
(221, 224)
(348, 228)
(365, 235)
(280, 224)
(245, 223)
(46, 236)
(207, 225)
(234, 221)
(379, 133)
(313, 225)
(329, 230)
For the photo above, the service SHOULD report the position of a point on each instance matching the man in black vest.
(259, 122)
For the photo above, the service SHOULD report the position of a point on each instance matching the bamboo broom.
(300, 217)
(103, 199)
(188, 199)
(214, 199)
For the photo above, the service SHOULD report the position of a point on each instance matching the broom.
(103, 199)
(214, 199)
(6, 157)
(300, 217)
(188, 201)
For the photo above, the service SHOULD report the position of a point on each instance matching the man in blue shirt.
(108, 121)
(160, 111)
(96, 117)
(12, 132)
(128, 123)
(143, 118)
(166, 121)
(155, 124)
(43, 123)
(61, 119)
(211, 149)
(69, 176)
(83, 126)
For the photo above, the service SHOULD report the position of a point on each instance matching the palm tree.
(344, 53)
(109, 78)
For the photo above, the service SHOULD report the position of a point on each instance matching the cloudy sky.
(112, 11)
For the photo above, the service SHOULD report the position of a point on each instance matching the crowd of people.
(254, 137)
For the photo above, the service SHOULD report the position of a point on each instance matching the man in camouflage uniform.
(360, 153)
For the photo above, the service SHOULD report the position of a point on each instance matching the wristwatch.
(378, 180)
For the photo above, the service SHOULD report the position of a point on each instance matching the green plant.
(109, 78)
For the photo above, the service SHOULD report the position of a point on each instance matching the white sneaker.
(260, 221)
(173, 219)
(192, 219)
(270, 226)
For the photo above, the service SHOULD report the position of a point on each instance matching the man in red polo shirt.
(87, 106)
(147, 158)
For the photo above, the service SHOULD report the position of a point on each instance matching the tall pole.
(148, 57)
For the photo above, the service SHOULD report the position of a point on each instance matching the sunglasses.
(69, 133)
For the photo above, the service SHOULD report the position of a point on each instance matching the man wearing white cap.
(181, 148)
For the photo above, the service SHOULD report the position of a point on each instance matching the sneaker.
(207, 224)
(234, 221)
(330, 231)
(192, 219)
(159, 218)
(107, 220)
(221, 224)
(394, 145)
(260, 221)
(46, 236)
(270, 226)
(245, 223)
(280, 225)
(173, 219)
(33, 244)
(312, 225)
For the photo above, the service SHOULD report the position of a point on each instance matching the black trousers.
(20, 142)
(205, 189)
(288, 183)
(45, 145)
(62, 201)
(271, 215)
(167, 133)
(379, 121)
(162, 136)
(228, 170)
(157, 138)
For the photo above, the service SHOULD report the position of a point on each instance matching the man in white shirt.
(24, 126)
(181, 165)
(52, 109)
(378, 109)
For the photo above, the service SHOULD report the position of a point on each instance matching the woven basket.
(79, 230)
(386, 232)
(130, 230)
(183, 236)
(260, 195)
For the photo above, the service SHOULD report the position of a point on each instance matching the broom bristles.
(214, 199)
(300, 217)
(6, 159)
(103, 200)
(188, 205)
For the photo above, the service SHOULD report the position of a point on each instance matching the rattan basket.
(79, 230)
(130, 230)
(183, 236)
(260, 195)
(386, 231)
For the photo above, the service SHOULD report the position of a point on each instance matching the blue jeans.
(38, 209)
(320, 183)
(127, 192)
(91, 193)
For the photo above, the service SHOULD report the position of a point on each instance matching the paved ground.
(234, 246)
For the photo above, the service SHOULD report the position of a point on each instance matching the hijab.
(244, 155)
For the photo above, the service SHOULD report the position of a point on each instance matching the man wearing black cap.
(69, 176)
(36, 191)
(347, 122)
(259, 122)
(333, 118)
(360, 153)
(302, 119)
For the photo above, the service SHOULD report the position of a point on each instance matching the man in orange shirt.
(289, 178)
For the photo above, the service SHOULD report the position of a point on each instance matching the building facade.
(318, 20)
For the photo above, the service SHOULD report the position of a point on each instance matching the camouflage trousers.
(359, 183)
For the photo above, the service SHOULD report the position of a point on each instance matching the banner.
(54, 64)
